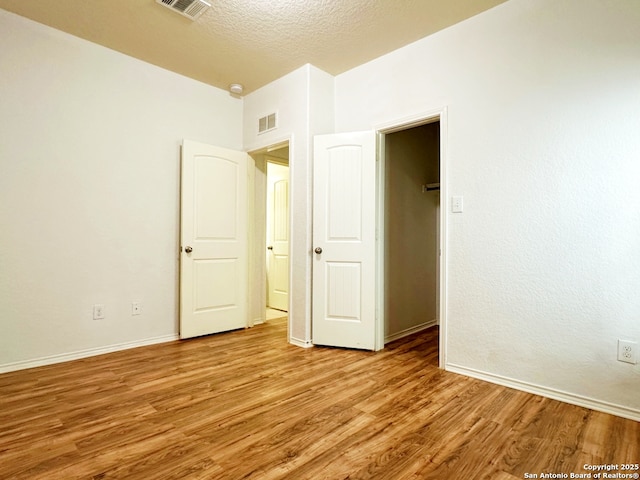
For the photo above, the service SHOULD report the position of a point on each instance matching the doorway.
(411, 224)
(277, 231)
(270, 229)
(343, 212)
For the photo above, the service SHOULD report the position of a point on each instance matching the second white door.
(344, 226)
(278, 236)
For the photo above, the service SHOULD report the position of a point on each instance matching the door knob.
(269, 247)
(318, 250)
(188, 249)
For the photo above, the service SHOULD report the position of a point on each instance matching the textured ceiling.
(251, 42)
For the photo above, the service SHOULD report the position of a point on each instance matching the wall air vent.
(266, 123)
(189, 8)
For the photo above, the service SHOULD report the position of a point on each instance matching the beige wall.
(411, 225)
(542, 267)
(89, 192)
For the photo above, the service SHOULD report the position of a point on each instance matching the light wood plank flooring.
(247, 405)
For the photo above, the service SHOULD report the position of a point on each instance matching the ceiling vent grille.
(189, 8)
(266, 123)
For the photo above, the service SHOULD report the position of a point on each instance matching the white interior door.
(278, 236)
(213, 239)
(344, 217)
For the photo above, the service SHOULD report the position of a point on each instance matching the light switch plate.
(456, 204)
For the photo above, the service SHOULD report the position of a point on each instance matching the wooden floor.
(246, 404)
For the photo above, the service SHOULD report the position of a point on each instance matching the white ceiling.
(251, 42)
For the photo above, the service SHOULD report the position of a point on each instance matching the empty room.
(451, 281)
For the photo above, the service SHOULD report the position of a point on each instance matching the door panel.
(213, 275)
(216, 283)
(215, 179)
(344, 200)
(344, 234)
(344, 290)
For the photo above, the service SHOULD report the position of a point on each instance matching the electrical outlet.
(98, 312)
(627, 351)
(136, 308)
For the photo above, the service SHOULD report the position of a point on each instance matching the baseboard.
(592, 403)
(410, 331)
(300, 343)
(66, 357)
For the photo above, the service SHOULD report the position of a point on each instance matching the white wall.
(544, 264)
(303, 101)
(89, 181)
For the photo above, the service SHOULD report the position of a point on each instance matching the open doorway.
(410, 204)
(270, 232)
(277, 232)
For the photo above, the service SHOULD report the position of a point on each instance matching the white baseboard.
(410, 331)
(66, 357)
(579, 400)
(300, 343)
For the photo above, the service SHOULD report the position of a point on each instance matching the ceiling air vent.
(189, 8)
(266, 123)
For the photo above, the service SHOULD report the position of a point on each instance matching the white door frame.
(261, 283)
(382, 130)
